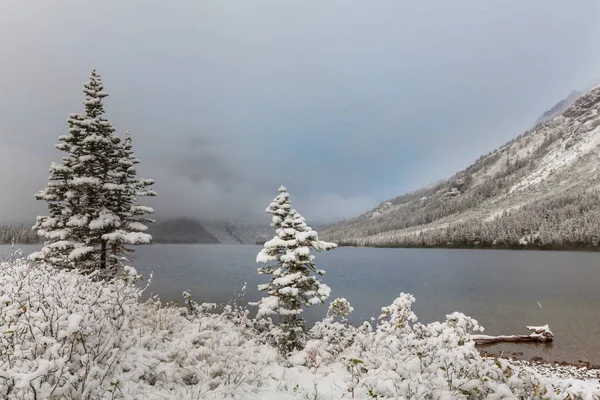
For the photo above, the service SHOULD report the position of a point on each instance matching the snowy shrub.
(65, 336)
(398, 314)
(408, 360)
(329, 338)
(340, 308)
(194, 309)
(60, 332)
(235, 312)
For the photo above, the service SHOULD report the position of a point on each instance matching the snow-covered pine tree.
(293, 285)
(77, 189)
(123, 203)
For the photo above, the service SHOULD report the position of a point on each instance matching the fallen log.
(539, 334)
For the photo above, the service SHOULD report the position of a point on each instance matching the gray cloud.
(345, 103)
(205, 167)
(202, 159)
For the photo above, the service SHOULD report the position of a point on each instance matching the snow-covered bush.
(60, 333)
(340, 308)
(194, 309)
(397, 315)
(292, 286)
(329, 338)
(65, 336)
(408, 360)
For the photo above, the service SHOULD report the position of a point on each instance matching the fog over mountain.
(559, 107)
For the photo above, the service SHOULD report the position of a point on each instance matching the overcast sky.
(347, 103)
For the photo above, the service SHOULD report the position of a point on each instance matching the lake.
(504, 290)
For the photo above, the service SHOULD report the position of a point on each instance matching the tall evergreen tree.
(293, 285)
(85, 218)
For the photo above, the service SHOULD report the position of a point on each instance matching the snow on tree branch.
(93, 195)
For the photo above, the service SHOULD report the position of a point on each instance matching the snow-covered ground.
(558, 372)
(66, 336)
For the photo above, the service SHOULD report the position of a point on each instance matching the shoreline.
(467, 247)
(555, 369)
(393, 246)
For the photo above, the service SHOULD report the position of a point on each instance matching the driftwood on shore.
(539, 334)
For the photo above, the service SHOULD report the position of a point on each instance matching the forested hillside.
(20, 234)
(539, 190)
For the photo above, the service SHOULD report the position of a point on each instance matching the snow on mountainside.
(538, 190)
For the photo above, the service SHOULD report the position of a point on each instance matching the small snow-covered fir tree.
(85, 216)
(293, 284)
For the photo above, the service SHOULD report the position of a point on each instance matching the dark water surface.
(499, 288)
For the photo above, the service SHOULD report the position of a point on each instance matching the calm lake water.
(504, 290)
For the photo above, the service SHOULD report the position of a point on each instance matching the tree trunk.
(484, 339)
(103, 255)
(114, 254)
(539, 334)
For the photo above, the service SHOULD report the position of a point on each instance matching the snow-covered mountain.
(190, 230)
(239, 232)
(180, 230)
(538, 190)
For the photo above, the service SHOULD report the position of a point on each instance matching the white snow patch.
(561, 156)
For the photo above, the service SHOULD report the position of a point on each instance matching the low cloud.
(226, 102)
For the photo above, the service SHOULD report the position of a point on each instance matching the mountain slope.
(238, 232)
(559, 107)
(190, 230)
(538, 190)
(181, 230)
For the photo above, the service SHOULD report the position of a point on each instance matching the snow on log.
(538, 334)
